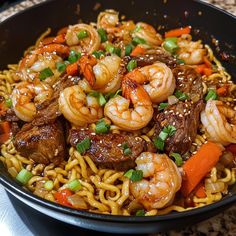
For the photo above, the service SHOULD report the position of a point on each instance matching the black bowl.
(22, 30)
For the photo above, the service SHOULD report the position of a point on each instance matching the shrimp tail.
(86, 64)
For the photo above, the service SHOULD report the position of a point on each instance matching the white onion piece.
(77, 202)
(172, 100)
(215, 187)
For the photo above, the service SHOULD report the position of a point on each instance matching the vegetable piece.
(197, 166)
(73, 56)
(207, 62)
(128, 49)
(170, 45)
(211, 95)
(223, 91)
(110, 48)
(134, 175)
(77, 202)
(74, 185)
(170, 130)
(5, 130)
(98, 54)
(137, 40)
(62, 197)
(162, 106)
(178, 32)
(103, 35)
(215, 187)
(180, 95)
(137, 51)
(137, 28)
(82, 34)
(172, 100)
(45, 73)
(207, 71)
(200, 191)
(24, 176)
(61, 66)
(178, 158)
(83, 146)
(180, 61)
(231, 148)
(72, 69)
(48, 185)
(126, 149)
(140, 213)
(8, 102)
(117, 51)
(102, 127)
(101, 99)
(159, 143)
(131, 65)
(112, 95)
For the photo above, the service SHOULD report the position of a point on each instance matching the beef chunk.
(106, 149)
(184, 116)
(49, 110)
(44, 144)
(189, 81)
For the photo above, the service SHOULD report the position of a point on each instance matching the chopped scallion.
(163, 135)
(180, 95)
(170, 45)
(110, 48)
(74, 185)
(180, 61)
(132, 65)
(102, 127)
(137, 40)
(211, 95)
(101, 99)
(117, 51)
(83, 146)
(170, 130)
(137, 28)
(128, 49)
(45, 73)
(134, 175)
(98, 54)
(126, 149)
(61, 66)
(178, 158)
(48, 185)
(8, 102)
(162, 106)
(82, 34)
(24, 176)
(159, 143)
(74, 56)
(113, 95)
(102, 33)
(140, 213)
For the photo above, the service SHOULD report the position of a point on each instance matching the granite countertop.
(222, 224)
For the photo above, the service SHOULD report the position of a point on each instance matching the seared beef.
(184, 116)
(106, 149)
(49, 110)
(43, 144)
(154, 55)
(188, 81)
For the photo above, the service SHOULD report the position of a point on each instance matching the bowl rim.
(13, 186)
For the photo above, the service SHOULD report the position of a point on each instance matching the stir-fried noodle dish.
(114, 118)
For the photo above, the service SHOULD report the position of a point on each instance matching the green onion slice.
(181, 96)
(137, 40)
(211, 95)
(170, 130)
(113, 95)
(101, 99)
(132, 65)
(126, 149)
(45, 73)
(162, 106)
(74, 185)
(61, 66)
(98, 54)
(24, 176)
(178, 158)
(137, 28)
(140, 213)
(83, 146)
(159, 143)
(110, 48)
(134, 175)
(48, 185)
(74, 56)
(128, 49)
(102, 33)
(102, 127)
(82, 34)
(8, 102)
(170, 45)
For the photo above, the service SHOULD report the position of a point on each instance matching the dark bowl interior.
(22, 30)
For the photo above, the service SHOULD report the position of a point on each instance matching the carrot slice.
(200, 191)
(61, 197)
(178, 32)
(231, 148)
(5, 130)
(197, 166)
(200, 68)
(137, 51)
(72, 69)
(207, 71)
(222, 91)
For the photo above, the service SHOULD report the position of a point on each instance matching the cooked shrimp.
(117, 108)
(106, 74)
(25, 97)
(191, 52)
(148, 33)
(157, 80)
(79, 108)
(161, 180)
(88, 44)
(220, 122)
(108, 20)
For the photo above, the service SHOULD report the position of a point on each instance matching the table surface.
(17, 219)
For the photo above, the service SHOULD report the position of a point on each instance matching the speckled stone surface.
(223, 224)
